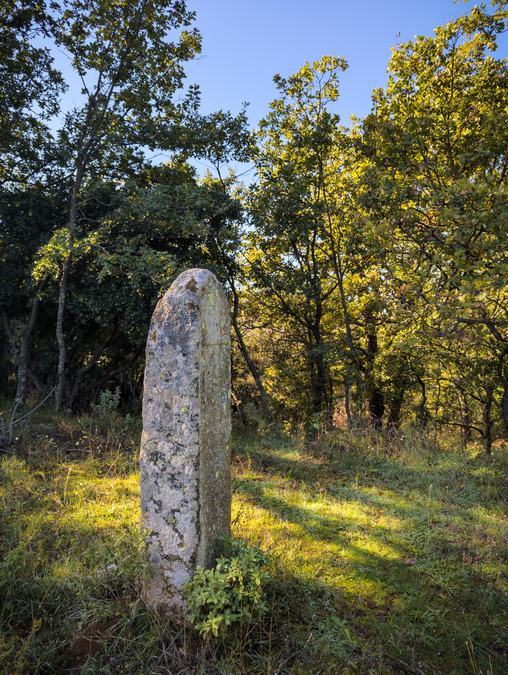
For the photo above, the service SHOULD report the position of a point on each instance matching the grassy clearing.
(380, 563)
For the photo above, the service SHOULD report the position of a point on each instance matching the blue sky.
(245, 42)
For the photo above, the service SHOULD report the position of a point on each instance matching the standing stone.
(185, 444)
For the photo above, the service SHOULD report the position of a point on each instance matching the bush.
(109, 402)
(230, 593)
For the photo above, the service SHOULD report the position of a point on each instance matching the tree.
(287, 256)
(135, 238)
(435, 146)
(129, 70)
(28, 216)
(29, 98)
(30, 90)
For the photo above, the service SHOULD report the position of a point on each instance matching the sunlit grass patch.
(391, 537)
(379, 563)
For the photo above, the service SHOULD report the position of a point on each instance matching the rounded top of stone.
(194, 280)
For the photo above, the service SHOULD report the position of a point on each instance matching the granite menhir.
(185, 444)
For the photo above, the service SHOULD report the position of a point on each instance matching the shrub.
(109, 401)
(230, 593)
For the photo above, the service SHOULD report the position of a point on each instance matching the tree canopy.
(366, 264)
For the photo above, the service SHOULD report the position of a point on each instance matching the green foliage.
(288, 250)
(366, 265)
(110, 45)
(109, 401)
(31, 87)
(230, 593)
(379, 252)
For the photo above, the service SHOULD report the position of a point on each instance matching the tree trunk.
(24, 352)
(62, 292)
(10, 338)
(60, 337)
(376, 400)
(504, 406)
(466, 421)
(347, 321)
(339, 270)
(36, 381)
(347, 402)
(319, 392)
(85, 368)
(329, 399)
(376, 407)
(316, 393)
(321, 404)
(487, 420)
(254, 371)
(423, 413)
(21, 357)
(396, 407)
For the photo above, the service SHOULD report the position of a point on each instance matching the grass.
(380, 562)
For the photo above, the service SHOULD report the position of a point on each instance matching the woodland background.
(365, 265)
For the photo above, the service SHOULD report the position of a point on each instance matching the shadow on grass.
(461, 483)
(435, 604)
(340, 604)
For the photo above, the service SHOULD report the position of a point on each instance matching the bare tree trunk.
(62, 292)
(487, 420)
(24, 352)
(254, 371)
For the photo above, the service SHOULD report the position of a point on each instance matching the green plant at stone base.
(230, 593)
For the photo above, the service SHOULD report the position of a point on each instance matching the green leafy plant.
(230, 593)
(109, 400)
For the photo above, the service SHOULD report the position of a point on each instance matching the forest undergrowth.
(386, 556)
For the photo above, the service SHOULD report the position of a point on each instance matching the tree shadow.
(426, 587)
